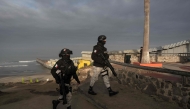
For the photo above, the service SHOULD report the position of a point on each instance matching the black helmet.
(65, 51)
(101, 38)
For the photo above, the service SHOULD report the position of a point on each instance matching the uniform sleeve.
(53, 71)
(95, 56)
(76, 78)
(106, 53)
(74, 69)
(106, 56)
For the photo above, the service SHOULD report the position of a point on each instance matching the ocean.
(23, 61)
(17, 64)
(23, 66)
(17, 68)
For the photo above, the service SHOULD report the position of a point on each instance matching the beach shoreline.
(25, 78)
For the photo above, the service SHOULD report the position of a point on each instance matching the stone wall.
(120, 56)
(117, 57)
(153, 58)
(170, 91)
(165, 58)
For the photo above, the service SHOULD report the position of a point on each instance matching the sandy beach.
(26, 78)
(35, 96)
(35, 92)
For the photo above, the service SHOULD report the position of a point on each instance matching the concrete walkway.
(40, 96)
(177, 66)
(127, 98)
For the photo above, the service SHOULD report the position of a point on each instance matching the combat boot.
(111, 92)
(90, 91)
(69, 107)
(61, 98)
(55, 103)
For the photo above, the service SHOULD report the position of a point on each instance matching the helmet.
(101, 38)
(65, 51)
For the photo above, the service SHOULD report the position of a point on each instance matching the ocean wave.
(15, 66)
(16, 62)
(27, 61)
(4, 63)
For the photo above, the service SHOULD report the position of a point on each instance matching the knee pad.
(68, 89)
(104, 73)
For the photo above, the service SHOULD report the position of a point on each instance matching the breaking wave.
(14, 66)
(27, 61)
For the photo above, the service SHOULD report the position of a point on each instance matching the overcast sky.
(47, 26)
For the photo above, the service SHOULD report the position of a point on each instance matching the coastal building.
(178, 47)
(175, 52)
(85, 59)
(81, 61)
(78, 61)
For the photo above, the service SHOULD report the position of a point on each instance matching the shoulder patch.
(56, 66)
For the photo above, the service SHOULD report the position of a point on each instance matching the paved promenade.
(39, 96)
(177, 66)
(127, 98)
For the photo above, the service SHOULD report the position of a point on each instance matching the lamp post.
(145, 53)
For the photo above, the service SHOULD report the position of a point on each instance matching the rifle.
(62, 73)
(110, 66)
(63, 88)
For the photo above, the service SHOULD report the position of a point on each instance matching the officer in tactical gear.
(99, 66)
(141, 50)
(66, 67)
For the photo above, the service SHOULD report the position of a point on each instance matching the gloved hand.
(106, 56)
(57, 81)
(78, 82)
(103, 62)
(78, 85)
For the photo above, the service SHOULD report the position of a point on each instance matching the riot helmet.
(65, 52)
(102, 39)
